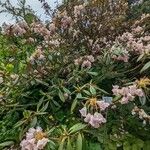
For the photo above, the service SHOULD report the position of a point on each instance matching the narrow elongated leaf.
(77, 127)
(69, 147)
(33, 122)
(140, 57)
(103, 91)
(93, 73)
(146, 66)
(45, 107)
(66, 90)
(79, 142)
(7, 143)
(142, 100)
(19, 123)
(61, 96)
(73, 106)
(92, 90)
(61, 146)
(50, 145)
(40, 103)
(42, 82)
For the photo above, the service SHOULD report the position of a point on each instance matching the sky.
(35, 5)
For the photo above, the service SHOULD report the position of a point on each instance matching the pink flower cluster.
(128, 93)
(141, 114)
(137, 40)
(96, 119)
(66, 22)
(78, 10)
(37, 55)
(85, 61)
(40, 28)
(18, 29)
(35, 140)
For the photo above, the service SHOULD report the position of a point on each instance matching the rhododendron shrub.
(79, 81)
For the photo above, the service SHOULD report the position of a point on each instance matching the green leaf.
(45, 107)
(42, 82)
(61, 146)
(19, 123)
(139, 143)
(69, 147)
(94, 146)
(61, 96)
(73, 106)
(140, 57)
(93, 73)
(66, 90)
(87, 92)
(9, 67)
(33, 122)
(126, 146)
(50, 145)
(79, 95)
(92, 90)
(142, 100)
(77, 127)
(79, 142)
(40, 103)
(135, 147)
(7, 143)
(29, 18)
(146, 66)
(112, 146)
(103, 91)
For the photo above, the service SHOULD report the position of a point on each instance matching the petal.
(83, 111)
(41, 143)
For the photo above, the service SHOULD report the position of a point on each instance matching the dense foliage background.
(83, 76)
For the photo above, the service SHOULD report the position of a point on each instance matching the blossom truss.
(95, 119)
(127, 93)
(35, 139)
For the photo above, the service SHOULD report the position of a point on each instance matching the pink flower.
(77, 61)
(28, 145)
(88, 117)
(124, 91)
(115, 90)
(78, 9)
(130, 96)
(86, 64)
(139, 92)
(35, 140)
(124, 100)
(96, 120)
(52, 28)
(90, 58)
(41, 143)
(138, 29)
(65, 22)
(127, 93)
(146, 38)
(102, 105)
(83, 111)
(30, 133)
(132, 89)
